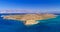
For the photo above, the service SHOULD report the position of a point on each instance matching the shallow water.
(49, 25)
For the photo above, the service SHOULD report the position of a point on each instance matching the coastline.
(29, 18)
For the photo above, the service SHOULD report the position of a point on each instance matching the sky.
(34, 5)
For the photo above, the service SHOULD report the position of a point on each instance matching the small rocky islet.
(30, 19)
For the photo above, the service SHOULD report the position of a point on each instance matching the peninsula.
(29, 19)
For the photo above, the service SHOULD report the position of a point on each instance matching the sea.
(47, 25)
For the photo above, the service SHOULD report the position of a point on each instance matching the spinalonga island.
(30, 19)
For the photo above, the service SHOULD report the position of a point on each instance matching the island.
(29, 19)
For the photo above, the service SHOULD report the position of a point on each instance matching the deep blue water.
(49, 25)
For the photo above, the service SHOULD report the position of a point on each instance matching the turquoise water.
(48, 25)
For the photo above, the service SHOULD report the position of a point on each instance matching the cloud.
(18, 11)
(27, 11)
